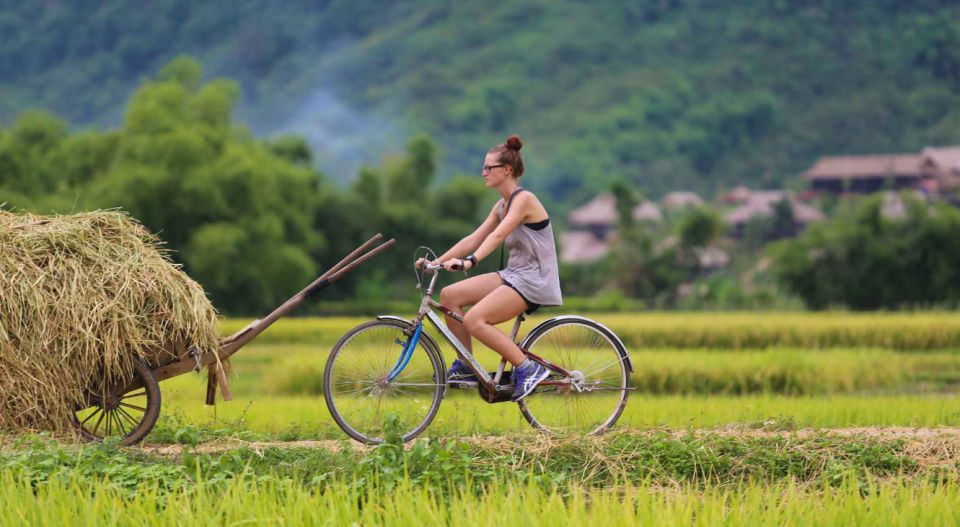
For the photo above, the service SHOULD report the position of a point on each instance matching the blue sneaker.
(460, 372)
(526, 379)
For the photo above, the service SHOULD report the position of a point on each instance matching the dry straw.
(80, 297)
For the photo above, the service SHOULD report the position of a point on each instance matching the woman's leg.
(465, 293)
(499, 306)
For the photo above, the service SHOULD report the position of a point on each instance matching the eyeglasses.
(488, 168)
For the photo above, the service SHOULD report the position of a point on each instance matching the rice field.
(287, 503)
(690, 371)
(729, 425)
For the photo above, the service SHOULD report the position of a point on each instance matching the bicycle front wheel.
(591, 399)
(362, 397)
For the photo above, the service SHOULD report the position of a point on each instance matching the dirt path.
(922, 438)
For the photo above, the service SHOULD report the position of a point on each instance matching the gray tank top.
(532, 267)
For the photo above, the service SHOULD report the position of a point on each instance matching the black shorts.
(531, 306)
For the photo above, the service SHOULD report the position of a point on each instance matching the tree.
(863, 260)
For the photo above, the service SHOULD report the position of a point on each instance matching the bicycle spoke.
(357, 392)
(586, 403)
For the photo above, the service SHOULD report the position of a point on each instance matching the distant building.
(762, 203)
(739, 194)
(941, 165)
(599, 216)
(681, 200)
(865, 174)
(593, 226)
(647, 211)
(582, 247)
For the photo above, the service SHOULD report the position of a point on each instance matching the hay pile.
(80, 296)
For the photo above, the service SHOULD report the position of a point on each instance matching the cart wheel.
(128, 411)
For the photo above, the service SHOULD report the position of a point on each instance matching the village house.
(593, 227)
(933, 170)
(942, 166)
(762, 203)
(865, 174)
(681, 200)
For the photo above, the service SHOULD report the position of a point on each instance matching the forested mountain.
(665, 93)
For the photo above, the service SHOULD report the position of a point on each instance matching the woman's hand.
(457, 264)
(423, 262)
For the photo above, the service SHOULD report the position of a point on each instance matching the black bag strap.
(503, 262)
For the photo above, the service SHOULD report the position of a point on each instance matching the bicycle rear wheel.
(592, 399)
(362, 398)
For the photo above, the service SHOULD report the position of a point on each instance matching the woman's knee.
(449, 297)
(473, 321)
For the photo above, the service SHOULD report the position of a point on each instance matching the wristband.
(472, 259)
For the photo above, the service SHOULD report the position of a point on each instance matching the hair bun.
(514, 143)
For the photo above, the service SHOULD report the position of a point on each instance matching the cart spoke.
(119, 421)
(93, 413)
(100, 420)
(132, 420)
(135, 407)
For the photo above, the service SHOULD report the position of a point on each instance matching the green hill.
(665, 93)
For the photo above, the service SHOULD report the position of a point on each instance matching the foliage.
(238, 214)
(864, 259)
(250, 219)
(665, 94)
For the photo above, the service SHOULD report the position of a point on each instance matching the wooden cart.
(129, 411)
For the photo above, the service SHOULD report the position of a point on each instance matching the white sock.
(525, 365)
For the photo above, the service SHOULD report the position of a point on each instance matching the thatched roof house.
(647, 211)
(582, 247)
(762, 204)
(870, 173)
(593, 225)
(681, 200)
(601, 213)
(942, 166)
(738, 194)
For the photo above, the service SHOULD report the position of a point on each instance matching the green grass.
(901, 331)
(624, 480)
(661, 469)
(278, 389)
(286, 503)
(464, 414)
(298, 370)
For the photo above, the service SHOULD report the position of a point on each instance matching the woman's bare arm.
(471, 242)
(522, 205)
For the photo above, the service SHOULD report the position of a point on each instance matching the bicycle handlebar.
(437, 267)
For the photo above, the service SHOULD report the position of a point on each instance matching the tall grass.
(298, 370)
(899, 331)
(273, 502)
(464, 414)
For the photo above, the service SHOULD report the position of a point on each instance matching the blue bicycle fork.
(407, 353)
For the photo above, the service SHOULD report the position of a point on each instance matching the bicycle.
(390, 365)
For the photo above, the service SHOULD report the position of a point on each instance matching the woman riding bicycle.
(530, 280)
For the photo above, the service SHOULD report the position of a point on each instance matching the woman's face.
(494, 171)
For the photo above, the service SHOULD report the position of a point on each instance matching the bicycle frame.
(491, 381)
